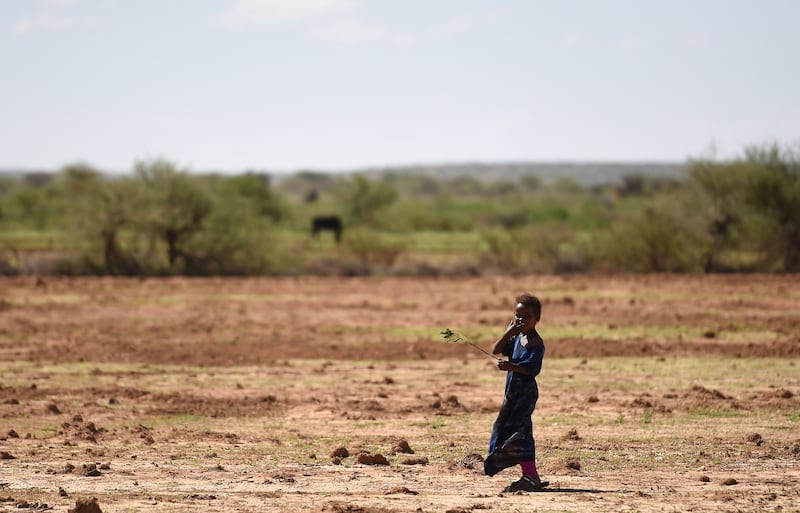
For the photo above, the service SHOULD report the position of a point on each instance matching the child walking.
(512, 435)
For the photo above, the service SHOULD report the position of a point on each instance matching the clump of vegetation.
(722, 216)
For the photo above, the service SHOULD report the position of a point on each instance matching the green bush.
(550, 247)
(667, 235)
(370, 248)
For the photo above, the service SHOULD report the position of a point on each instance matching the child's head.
(528, 310)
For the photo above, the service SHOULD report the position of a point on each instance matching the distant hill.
(585, 173)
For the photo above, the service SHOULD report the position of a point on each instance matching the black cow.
(332, 223)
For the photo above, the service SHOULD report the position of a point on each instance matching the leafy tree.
(235, 240)
(722, 189)
(256, 189)
(530, 182)
(100, 209)
(752, 202)
(176, 206)
(542, 248)
(364, 198)
(31, 207)
(775, 192)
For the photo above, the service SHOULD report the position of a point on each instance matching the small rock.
(62, 492)
(471, 461)
(705, 479)
(755, 438)
(402, 489)
(12, 434)
(4, 455)
(730, 481)
(90, 470)
(402, 447)
(340, 452)
(453, 401)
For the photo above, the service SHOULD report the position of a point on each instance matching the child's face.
(524, 315)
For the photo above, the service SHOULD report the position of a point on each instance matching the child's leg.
(529, 469)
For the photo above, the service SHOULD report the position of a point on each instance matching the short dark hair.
(530, 301)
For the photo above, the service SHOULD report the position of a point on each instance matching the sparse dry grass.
(614, 433)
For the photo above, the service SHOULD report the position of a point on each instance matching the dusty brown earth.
(659, 393)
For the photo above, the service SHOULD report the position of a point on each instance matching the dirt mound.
(340, 452)
(647, 402)
(569, 465)
(778, 399)
(78, 429)
(86, 506)
(366, 458)
(402, 447)
(191, 404)
(17, 394)
(419, 460)
(701, 397)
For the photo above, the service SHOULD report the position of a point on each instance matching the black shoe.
(527, 484)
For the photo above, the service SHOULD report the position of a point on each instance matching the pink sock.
(529, 468)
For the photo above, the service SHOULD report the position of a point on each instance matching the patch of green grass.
(435, 424)
(368, 423)
(61, 299)
(713, 413)
(793, 417)
(607, 332)
(185, 420)
(34, 239)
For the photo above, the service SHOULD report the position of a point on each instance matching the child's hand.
(504, 365)
(515, 326)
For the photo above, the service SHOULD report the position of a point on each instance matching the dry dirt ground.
(658, 393)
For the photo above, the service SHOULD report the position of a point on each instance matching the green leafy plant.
(455, 337)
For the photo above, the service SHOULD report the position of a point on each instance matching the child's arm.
(508, 366)
(513, 329)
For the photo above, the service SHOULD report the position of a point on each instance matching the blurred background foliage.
(739, 215)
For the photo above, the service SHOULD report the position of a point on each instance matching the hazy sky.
(337, 84)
